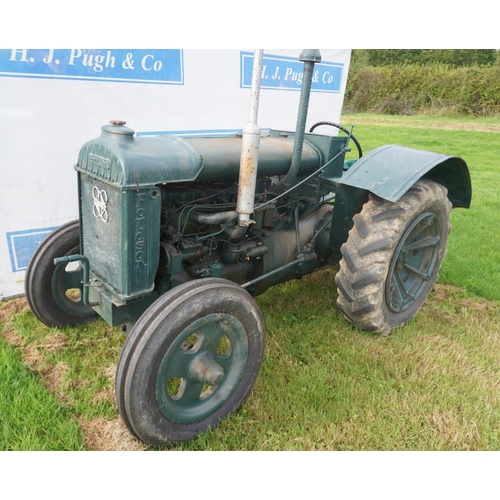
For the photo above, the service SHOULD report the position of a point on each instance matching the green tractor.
(177, 235)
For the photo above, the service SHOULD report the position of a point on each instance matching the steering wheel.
(345, 130)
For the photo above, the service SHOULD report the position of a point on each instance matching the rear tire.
(392, 257)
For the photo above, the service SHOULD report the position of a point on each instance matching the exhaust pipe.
(250, 150)
(309, 57)
(251, 140)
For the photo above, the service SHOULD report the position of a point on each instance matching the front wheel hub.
(205, 369)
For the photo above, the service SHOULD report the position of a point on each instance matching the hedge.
(419, 89)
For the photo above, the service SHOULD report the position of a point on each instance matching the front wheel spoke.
(423, 243)
(214, 332)
(211, 338)
(177, 365)
(191, 393)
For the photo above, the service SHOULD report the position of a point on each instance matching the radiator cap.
(117, 127)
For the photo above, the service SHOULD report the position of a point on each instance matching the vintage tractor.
(177, 235)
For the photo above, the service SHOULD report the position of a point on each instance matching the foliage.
(452, 57)
(433, 88)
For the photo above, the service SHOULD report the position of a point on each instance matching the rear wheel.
(392, 257)
(190, 361)
(55, 294)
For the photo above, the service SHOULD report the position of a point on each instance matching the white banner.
(52, 101)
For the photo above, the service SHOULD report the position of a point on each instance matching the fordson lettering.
(139, 235)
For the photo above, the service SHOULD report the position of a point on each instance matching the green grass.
(30, 416)
(324, 385)
(473, 259)
(432, 385)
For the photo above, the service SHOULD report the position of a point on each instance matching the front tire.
(190, 361)
(392, 257)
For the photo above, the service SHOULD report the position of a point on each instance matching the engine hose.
(345, 130)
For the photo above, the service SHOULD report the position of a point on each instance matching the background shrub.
(418, 88)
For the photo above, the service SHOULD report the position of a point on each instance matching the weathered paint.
(120, 158)
(390, 171)
(250, 148)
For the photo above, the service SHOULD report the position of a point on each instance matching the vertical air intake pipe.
(309, 57)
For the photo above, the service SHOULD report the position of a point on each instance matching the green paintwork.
(413, 262)
(120, 158)
(389, 171)
(201, 368)
(68, 288)
(130, 176)
(72, 278)
(122, 247)
(310, 55)
(145, 230)
(125, 172)
(348, 202)
(116, 313)
(158, 212)
(330, 147)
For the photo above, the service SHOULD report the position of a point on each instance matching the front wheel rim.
(413, 262)
(67, 289)
(201, 368)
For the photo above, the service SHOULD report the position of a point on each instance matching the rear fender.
(390, 171)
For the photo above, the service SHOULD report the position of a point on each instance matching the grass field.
(473, 259)
(324, 385)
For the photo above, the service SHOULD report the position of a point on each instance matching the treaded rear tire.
(376, 251)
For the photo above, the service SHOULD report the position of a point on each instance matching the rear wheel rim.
(413, 262)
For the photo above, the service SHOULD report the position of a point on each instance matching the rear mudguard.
(389, 172)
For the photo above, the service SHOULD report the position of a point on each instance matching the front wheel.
(190, 361)
(55, 294)
(392, 257)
